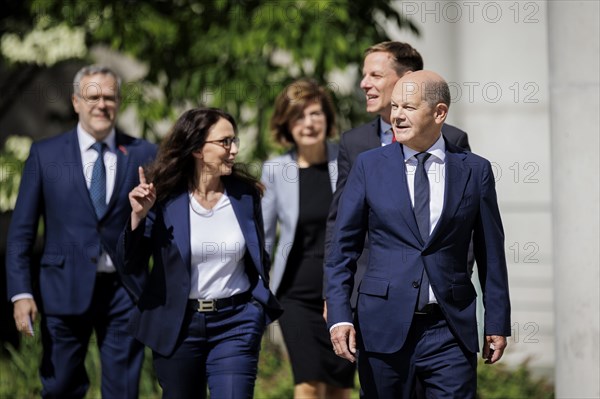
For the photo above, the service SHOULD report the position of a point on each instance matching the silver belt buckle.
(209, 305)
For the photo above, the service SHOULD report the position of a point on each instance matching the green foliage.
(499, 382)
(19, 376)
(233, 54)
(274, 373)
(12, 159)
(19, 372)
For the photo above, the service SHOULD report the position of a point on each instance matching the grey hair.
(94, 70)
(435, 92)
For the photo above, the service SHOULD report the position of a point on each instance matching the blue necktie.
(98, 184)
(421, 210)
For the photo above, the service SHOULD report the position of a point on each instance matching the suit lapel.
(396, 186)
(373, 140)
(457, 176)
(243, 207)
(290, 171)
(73, 157)
(121, 167)
(177, 219)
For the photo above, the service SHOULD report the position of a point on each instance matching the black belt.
(431, 309)
(212, 305)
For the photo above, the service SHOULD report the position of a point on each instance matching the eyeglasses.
(226, 142)
(109, 100)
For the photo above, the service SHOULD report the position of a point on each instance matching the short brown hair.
(404, 57)
(290, 104)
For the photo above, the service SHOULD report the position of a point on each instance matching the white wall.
(574, 55)
(494, 56)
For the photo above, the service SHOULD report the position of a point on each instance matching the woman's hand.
(142, 199)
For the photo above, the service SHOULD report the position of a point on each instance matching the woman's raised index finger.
(142, 175)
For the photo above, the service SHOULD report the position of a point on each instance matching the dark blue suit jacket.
(379, 203)
(53, 186)
(157, 321)
(354, 142)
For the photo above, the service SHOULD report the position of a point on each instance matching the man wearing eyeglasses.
(78, 183)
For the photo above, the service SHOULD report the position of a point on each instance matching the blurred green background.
(177, 54)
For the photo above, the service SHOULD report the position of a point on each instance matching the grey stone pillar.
(573, 32)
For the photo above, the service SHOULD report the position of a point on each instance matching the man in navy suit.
(383, 65)
(78, 183)
(420, 200)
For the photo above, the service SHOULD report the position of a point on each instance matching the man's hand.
(325, 311)
(343, 338)
(493, 348)
(25, 312)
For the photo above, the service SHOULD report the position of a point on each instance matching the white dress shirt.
(88, 158)
(385, 132)
(436, 171)
(217, 247)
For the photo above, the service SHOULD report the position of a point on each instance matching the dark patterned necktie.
(98, 184)
(422, 215)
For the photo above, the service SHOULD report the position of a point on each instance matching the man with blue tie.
(420, 200)
(78, 182)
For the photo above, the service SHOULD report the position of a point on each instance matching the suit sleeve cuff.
(342, 323)
(21, 296)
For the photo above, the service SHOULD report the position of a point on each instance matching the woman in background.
(299, 187)
(206, 303)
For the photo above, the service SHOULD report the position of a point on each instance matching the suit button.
(94, 259)
(415, 284)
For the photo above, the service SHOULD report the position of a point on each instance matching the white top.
(436, 171)
(88, 158)
(217, 251)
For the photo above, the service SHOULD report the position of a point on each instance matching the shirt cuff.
(20, 296)
(342, 323)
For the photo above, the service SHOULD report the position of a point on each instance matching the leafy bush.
(274, 379)
(19, 371)
(12, 159)
(500, 382)
(19, 376)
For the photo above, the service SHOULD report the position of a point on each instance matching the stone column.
(573, 31)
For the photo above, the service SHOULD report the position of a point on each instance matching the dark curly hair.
(173, 170)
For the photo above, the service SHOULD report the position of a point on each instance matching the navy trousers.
(431, 355)
(65, 341)
(219, 349)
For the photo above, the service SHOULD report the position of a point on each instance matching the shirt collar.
(86, 140)
(383, 135)
(437, 150)
(383, 126)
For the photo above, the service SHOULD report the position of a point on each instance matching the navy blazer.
(379, 203)
(158, 318)
(53, 186)
(355, 142)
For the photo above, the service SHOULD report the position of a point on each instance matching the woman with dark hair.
(206, 302)
(299, 187)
